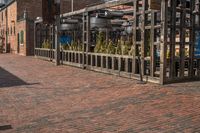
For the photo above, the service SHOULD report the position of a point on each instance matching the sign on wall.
(65, 40)
(155, 4)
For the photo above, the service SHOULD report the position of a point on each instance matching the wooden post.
(86, 37)
(152, 36)
(143, 34)
(163, 44)
(192, 38)
(134, 35)
(57, 41)
(57, 34)
(182, 38)
(173, 39)
(35, 39)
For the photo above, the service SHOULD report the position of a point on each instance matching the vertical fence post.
(35, 32)
(134, 36)
(57, 34)
(163, 44)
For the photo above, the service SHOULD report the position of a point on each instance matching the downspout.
(6, 45)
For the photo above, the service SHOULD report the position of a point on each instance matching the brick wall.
(33, 7)
(78, 4)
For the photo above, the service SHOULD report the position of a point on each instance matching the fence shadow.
(5, 127)
(7, 79)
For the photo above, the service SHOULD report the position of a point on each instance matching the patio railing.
(121, 65)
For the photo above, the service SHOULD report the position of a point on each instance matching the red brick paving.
(38, 97)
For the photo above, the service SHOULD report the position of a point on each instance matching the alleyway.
(37, 97)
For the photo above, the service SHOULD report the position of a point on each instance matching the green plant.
(46, 44)
(168, 54)
(118, 48)
(66, 47)
(80, 47)
(100, 43)
(111, 48)
(74, 46)
(187, 52)
(103, 48)
(126, 47)
(132, 50)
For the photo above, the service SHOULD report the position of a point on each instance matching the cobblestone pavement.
(37, 97)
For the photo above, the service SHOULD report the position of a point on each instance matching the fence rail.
(47, 54)
(121, 65)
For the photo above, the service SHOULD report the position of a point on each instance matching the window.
(22, 37)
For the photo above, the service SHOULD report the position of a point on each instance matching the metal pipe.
(72, 4)
(70, 21)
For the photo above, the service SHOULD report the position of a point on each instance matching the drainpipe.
(6, 45)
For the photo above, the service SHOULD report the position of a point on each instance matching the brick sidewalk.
(37, 97)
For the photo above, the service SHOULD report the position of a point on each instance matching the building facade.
(17, 23)
(15, 20)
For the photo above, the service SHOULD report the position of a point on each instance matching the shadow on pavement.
(7, 79)
(5, 127)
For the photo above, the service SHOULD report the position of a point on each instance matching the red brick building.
(17, 22)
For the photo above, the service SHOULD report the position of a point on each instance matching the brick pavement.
(37, 97)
